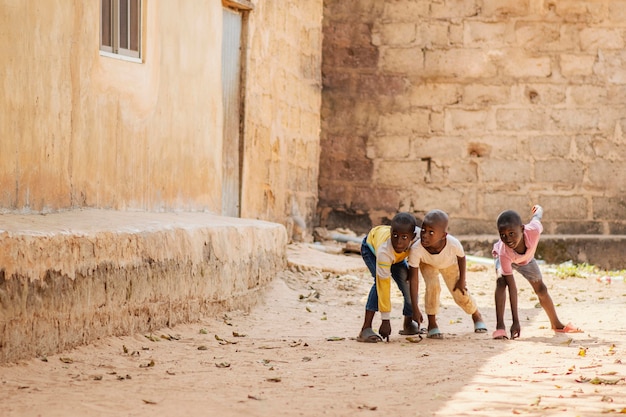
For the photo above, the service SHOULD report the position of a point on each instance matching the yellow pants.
(450, 276)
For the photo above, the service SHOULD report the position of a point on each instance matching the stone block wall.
(474, 107)
(282, 113)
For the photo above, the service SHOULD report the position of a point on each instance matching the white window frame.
(111, 46)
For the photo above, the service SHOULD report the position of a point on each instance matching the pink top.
(508, 256)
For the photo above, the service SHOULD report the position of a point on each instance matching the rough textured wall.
(282, 112)
(71, 278)
(79, 129)
(474, 106)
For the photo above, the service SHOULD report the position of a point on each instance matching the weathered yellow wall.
(79, 129)
(83, 130)
(282, 112)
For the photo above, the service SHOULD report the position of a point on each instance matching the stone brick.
(611, 67)
(466, 120)
(576, 64)
(402, 60)
(521, 119)
(387, 199)
(355, 10)
(340, 147)
(462, 172)
(503, 146)
(516, 63)
(434, 94)
(454, 9)
(445, 199)
(539, 93)
(434, 34)
(455, 35)
(348, 34)
(395, 34)
(580, 11)
(609, 208)
(403, 123)
(610, 175)
(485, 34)
(438, 123)
(388, 147)
(380, 84)
(494, 204)
(459, 63)
(592, 39)
(578, 228)
(586, 95)
(575, 119)
(617, 11)
(559, 171)
(482, 94)
(563, 207)
(405, 10)
(550, 146)
(387, 172)
(504, 8)
(537, 36)
(438, 147)
(350, 57)
(505, 171)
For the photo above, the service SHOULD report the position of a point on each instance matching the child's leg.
(432, 292)
(371, 307)
(400, 274)
(464, 300)
(532, 273)
(500, 298)
(515, 325)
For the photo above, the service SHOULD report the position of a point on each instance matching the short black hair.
(404, 221)
(510, 218)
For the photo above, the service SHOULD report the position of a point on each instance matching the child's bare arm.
(461, 284)
(537, 211)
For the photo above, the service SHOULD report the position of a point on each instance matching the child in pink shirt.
(516, 251)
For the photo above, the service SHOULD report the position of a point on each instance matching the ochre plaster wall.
(473, 107)
(79, 129)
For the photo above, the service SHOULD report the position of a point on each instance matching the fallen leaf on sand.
(414, 339)
(277, 379)
(224, 341)
(335, 338)
(222, 365)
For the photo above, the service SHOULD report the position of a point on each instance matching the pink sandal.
(500, 334)
(569, 328)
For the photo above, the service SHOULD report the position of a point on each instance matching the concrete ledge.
(604, 251)
(70, 278)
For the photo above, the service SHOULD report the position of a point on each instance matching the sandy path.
(277, 360)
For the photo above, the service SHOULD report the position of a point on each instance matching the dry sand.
(295, 355)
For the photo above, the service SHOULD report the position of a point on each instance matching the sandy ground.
(295, 355)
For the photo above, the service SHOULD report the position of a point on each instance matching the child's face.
(432, 234)
(401, 238)
(512, 235)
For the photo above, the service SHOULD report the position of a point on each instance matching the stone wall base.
(71, 278)
(606, 252)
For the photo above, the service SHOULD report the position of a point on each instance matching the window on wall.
(120, 28)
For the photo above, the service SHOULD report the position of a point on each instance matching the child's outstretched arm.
(515, 326)
(414, 291)
(537, 211)
(461, 285)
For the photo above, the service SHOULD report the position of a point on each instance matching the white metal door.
(231, 76)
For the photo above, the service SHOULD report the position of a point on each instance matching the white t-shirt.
(447, 257)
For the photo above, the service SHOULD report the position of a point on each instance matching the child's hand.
(537, 211)
(460, 286)
(385, 329)
(417, 316)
